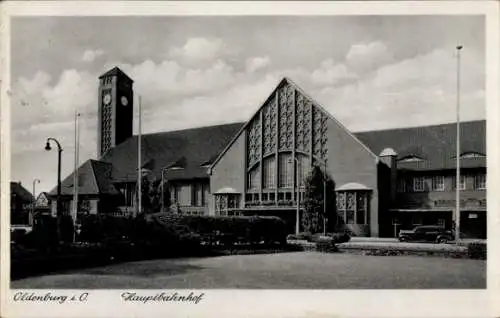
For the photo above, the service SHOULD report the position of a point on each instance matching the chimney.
(389, 157)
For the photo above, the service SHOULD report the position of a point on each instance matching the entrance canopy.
(352, 186)
(227, 190)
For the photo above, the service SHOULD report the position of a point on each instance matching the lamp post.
(30, 220)
(59, 152)
(457, 190)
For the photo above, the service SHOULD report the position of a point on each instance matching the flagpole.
(139, 172)
(457, 192)
(75, 175)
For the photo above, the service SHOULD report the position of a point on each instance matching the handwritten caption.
(162, 297)
(49, 297)
(132, 297)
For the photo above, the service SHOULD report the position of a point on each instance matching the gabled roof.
(94, 177)
(435, 145)
(288, 81)
(19, 191)
(116, 71)
(189, 149)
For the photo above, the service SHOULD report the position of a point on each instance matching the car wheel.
(442, 240)
(402, 239)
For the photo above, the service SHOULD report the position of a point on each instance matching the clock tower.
(116, 111)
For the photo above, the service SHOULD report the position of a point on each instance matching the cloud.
(416, 91)
(367, 56)
(329, 73)
(90, 55)
(257, 63)
(200, 49)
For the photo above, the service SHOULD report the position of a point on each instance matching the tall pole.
(324, 200)
(139, 170)
(30, 218)
(75, 176)
(58, 201)
(298, 199)
(457, 206)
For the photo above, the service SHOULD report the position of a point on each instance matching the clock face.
(124, 101)
(107, 99)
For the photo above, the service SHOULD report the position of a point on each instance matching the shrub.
(477, 250)
(326, 246)
(228, 230)
(341, 237)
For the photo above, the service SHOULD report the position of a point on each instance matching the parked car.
(426, 233)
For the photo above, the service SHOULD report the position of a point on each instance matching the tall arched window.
(253, 179)
(286, 169)
(269, 173)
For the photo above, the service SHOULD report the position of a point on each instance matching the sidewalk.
(357, 239)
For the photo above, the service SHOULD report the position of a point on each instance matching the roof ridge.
(91, 161)
(421, 126)
(328, 114)
(192, 128)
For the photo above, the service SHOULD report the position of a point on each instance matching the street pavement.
(304, 270)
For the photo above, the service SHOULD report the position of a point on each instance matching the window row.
(285, 169)
(438, 183)
(190, 194)
(271, 196)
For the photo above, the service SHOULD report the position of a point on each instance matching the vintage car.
(426, 233)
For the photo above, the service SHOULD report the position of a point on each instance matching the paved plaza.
(304, 270)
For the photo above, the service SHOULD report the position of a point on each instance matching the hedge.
(227, 230)
(477, 250)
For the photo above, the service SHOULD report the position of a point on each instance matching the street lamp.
(457, 190)
(30, 221)
(59, 150)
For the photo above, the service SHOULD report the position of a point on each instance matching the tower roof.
(116, 71)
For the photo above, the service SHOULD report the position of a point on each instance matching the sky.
(370, 72)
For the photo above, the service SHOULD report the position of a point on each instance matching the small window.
(438, 183)
(417, 220)
(418, 184)
(463, 182)
(480, 182)
(402, 185)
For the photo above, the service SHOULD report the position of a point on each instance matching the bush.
(228, 230)
(477, 250)
(341, 237)
(326, 246)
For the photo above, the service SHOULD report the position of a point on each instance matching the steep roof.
(188, 150)
(435, 145)
(94, 177)
(19, 191)
(116, 71)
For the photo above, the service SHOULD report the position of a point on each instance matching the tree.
(151, 195)
(314, 218)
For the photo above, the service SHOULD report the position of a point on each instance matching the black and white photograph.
(193, 153)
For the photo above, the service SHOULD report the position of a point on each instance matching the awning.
(351, 186)
(226, 190)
